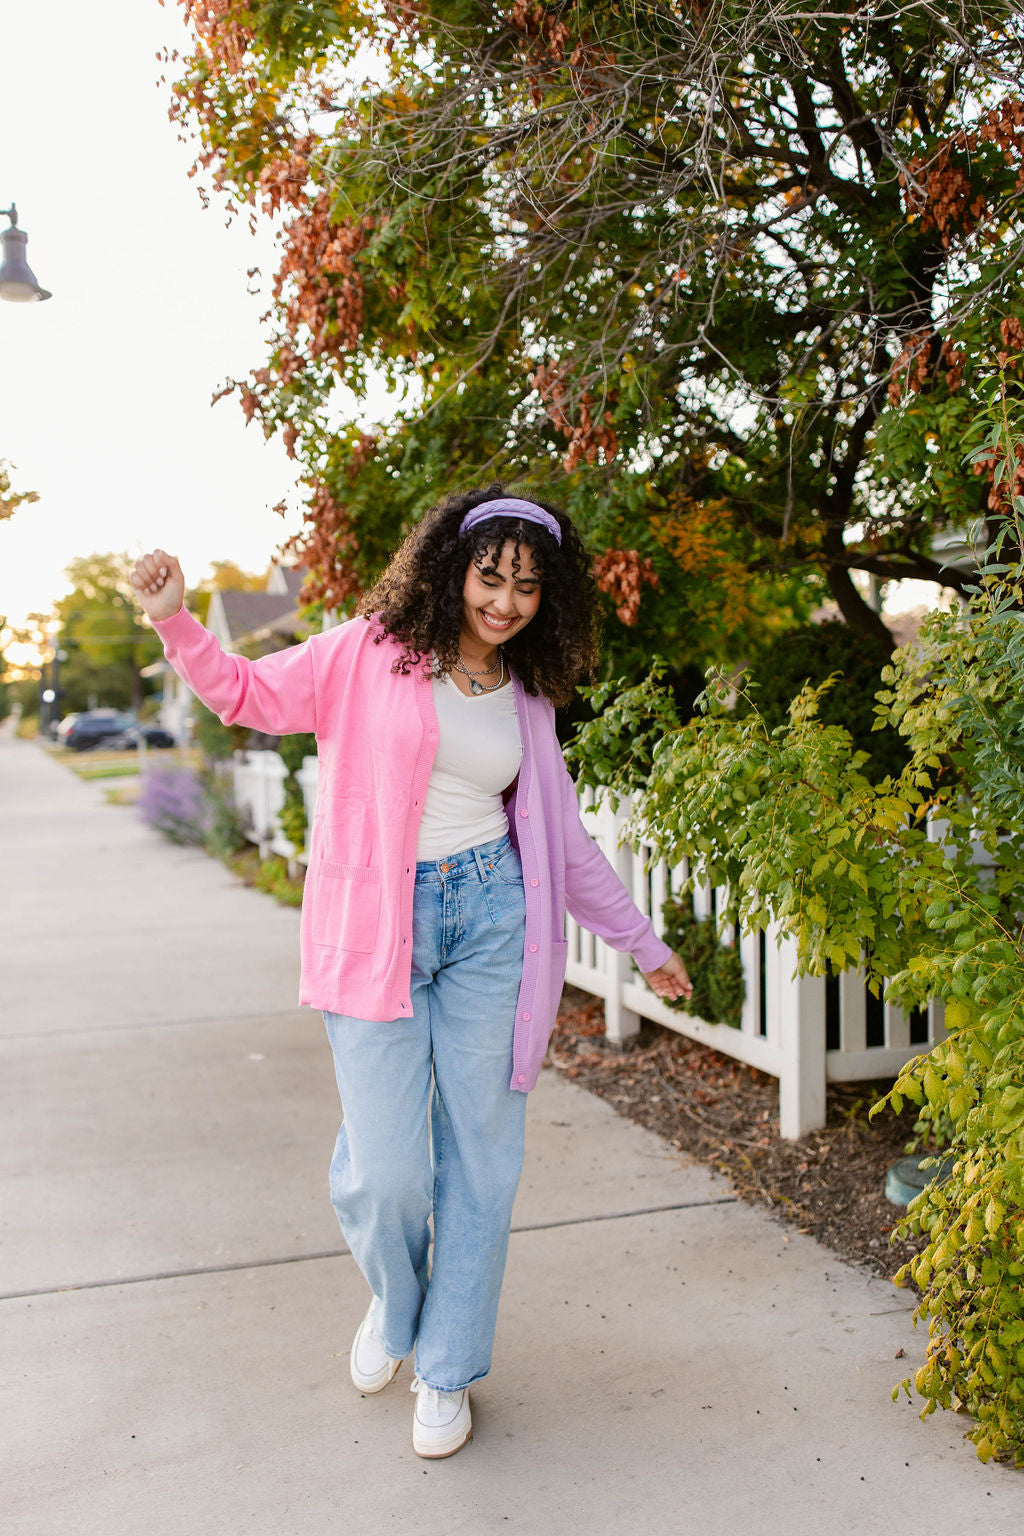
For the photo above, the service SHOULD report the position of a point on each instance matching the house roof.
(293, 577)
(245, 612)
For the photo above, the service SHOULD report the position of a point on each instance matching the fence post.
(620, 1023)
(801, 1001)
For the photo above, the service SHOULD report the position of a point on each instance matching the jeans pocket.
(506, 900)
(346, 907)
(506, 868)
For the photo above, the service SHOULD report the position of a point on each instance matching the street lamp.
(17, 280)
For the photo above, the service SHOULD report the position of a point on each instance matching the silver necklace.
(484, 671)
(474, 686)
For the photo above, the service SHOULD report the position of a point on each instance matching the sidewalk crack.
(343, 1253)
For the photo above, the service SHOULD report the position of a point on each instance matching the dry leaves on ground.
(723, 1113)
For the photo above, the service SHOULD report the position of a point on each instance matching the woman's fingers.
(158, 580)
(150, 572)
(671, 980)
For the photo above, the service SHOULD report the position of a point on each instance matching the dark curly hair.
(418, 600)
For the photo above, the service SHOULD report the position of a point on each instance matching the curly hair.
(418, 600)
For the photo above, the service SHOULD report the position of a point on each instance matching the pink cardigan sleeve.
(595, 896)
(275, 694)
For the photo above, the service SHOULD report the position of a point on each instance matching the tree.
(105, 644)
(721, 272)
(10, 499)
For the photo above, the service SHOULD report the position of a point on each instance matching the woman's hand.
(159, 584)
(670, 980)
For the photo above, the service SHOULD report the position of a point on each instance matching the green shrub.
(789, 822)
(217, 742)
(274, 879)
(292, 816)
(812, 655)
(223, 825)
(714, 968)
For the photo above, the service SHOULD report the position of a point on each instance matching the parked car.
(152, 735)
(95, 726)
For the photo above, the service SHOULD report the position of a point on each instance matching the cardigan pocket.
(346, 912)
(559, 961)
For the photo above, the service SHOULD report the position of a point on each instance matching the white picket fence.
(805, 1031)
(258, 780)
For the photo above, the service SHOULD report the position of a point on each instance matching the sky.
(105, 388)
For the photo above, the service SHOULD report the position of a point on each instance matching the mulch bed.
(723, 1113)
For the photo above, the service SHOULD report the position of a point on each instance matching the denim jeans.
(431, 1127)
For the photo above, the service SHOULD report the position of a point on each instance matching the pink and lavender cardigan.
(377, 736)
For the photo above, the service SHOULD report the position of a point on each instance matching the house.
(259, 622)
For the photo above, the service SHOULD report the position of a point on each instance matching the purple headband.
(511, 506)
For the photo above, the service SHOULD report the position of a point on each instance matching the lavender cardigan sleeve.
(595, 896)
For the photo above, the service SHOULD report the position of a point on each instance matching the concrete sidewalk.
(176, 1303)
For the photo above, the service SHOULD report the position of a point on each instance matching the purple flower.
(172, 800)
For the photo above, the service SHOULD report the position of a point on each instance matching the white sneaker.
(442, 1423)
(370, 1367)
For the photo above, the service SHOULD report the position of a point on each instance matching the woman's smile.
(499, 598)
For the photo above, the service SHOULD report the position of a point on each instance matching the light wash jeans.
(431, 1127)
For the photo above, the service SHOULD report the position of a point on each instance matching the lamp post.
(17, 280)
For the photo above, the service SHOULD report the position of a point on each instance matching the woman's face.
(498, 600)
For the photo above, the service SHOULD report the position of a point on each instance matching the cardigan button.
(535, 881)
(524, 811)
(527, 1017)
(521, 1078)
(533, 949)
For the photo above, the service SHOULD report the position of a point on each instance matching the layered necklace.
(474, 686)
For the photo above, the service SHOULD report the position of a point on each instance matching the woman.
(446, 846)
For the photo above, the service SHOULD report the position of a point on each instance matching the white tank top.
(479, 751)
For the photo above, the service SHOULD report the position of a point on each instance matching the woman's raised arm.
(275, 693)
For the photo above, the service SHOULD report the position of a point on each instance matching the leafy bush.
(195, 809)
(224, 835)
(888, 875)
(216, 741)
(292, 816)
(714, 968)
(814, 654)
(172, 800)
(274, 879)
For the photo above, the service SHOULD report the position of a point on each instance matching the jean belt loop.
(480, 865)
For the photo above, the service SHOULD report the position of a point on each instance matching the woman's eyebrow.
(493, 572)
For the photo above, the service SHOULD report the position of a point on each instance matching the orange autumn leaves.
(938, 190)
(696, 534)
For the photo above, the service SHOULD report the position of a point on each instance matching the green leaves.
(714, 967)
(919, 878)
(604, 250)
(616, 751)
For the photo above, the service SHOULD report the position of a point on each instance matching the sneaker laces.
(436, 1397)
